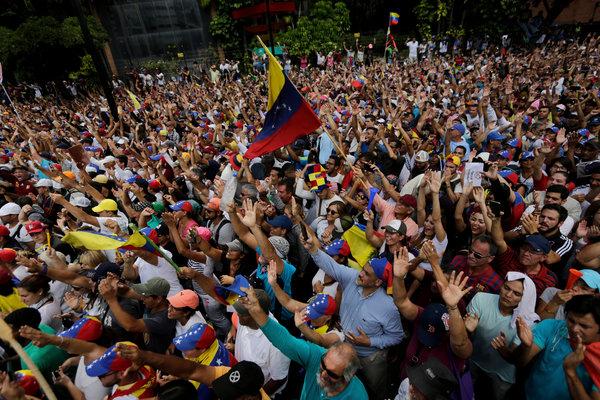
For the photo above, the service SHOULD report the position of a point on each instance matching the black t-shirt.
(161, 330)
(131, 307)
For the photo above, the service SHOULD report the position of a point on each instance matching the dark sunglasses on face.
(476, 255)
(332, 212)
(332, 375)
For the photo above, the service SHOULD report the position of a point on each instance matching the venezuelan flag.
(93, 240)
(288, 117)
(134, 100)
(360, 248)
(394, 18)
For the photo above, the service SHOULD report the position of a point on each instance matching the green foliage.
(323, 29)
(44, 47)
(167, 67)
(86, 70)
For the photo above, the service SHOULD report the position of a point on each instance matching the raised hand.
(524, 332)
(478, 195)
(429, 252)
(129, 352)
(454, 291)
(272, 273)
(471, 322)
(575, 358)
(250, 210)
(401, 264)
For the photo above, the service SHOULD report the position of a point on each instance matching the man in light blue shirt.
(370, 320)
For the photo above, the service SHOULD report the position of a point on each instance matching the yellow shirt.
(11, 302)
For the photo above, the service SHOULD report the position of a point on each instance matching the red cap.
(7, 255)
(34, 227)
(57, 167)
(154, 184)
(4, 231)
(409, 200)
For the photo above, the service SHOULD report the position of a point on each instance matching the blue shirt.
(376, 314)
(308, 355)
(286, 277)
(547, 378)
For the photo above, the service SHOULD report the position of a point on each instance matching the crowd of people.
(437, 238)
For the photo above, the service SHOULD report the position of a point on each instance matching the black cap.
(246, 378)
(103, 269)
(433, 379)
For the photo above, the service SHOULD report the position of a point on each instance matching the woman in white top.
(329, 227)
(182, 307)
(35, 293)
(432, 227)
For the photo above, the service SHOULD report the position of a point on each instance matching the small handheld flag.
(394, 18)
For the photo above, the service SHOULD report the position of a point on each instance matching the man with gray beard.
(329, 372)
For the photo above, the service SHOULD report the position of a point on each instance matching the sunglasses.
(332, 375)
(332, 212)
(478, 256)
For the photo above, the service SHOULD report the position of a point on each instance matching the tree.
(322, 30)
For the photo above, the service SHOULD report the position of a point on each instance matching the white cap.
(57, 185)
(422, 156)
(79, 201)
(108, 159)
(10, 209)
(484, 156)
(121, 141)
(44, 183)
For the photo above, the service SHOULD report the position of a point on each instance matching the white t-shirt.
(329, 289)
(163, 270)
(120, 219)
(91, 386)
(413, 46)
(49, 311)
(253, 345)
(22, 236)
(194, 319)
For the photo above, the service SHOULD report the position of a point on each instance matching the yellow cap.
(106, 205)
(102, 179)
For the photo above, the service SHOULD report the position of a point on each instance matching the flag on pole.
(394, 18)
(288, 117)
(134, 100)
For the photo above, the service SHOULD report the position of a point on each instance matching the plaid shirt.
(509, 261)
(487, 281)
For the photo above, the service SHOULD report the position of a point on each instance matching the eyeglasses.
(332, 212)
(332, 375)
(531, 250)
(478, 256)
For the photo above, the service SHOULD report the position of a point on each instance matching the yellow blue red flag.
(394, 18)
(93, 240)
(289, 116)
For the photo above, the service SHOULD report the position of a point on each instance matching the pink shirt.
(386, 212)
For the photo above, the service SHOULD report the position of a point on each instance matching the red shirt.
(487, 281)
(23, 188)
(509, 261)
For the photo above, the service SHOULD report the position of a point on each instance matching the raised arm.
(89, 350)
(407, 308)
(459, 218)
(77, 212)
(436, 213)
(286, 301)
(240, 229)
(497, 234)
(452, 293)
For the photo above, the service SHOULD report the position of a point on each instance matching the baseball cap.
(280, 221)
(28, 381)
(110, 361)
(396, 226)
(591, 278)
(459, 127)
(213, 204)
(509, 175)
(185, 298)
(34, 227)
(594, 121)
(154, 184)
(422, 156)
(235, 245)
(79, 200)
(495, 135)
(553, 129)
(44, 183)
(7, 255)
(182, 205)
(203, 232)
(199, 336)
(433, 379)
(86, 328)
(515, 143)
(235, 159)
(245, 378)
(527, 155)
(539, 243)
(453, 159)
(433, 324)
(4, 231)
(10, 209)
(338, 247)
(409, 200)
(70, 174)
(103, 269)
(504, 154)
(153, 287)
(106, 205)
(282, 247)
(319, 305)
(382, 268)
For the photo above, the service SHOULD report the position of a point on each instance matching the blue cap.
(504, 154)
(553, 128)
(594, 121)
(433, 324)
(459, 127)
(338, 247)
(495, 135)
(280, 221)
(515, 142)
(591, 278)
(538, 243)
(526, 155)
(584, 132)
(156, 157)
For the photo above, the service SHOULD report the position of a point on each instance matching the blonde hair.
(91, 258)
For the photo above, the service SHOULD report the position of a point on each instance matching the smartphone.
(496, 208)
